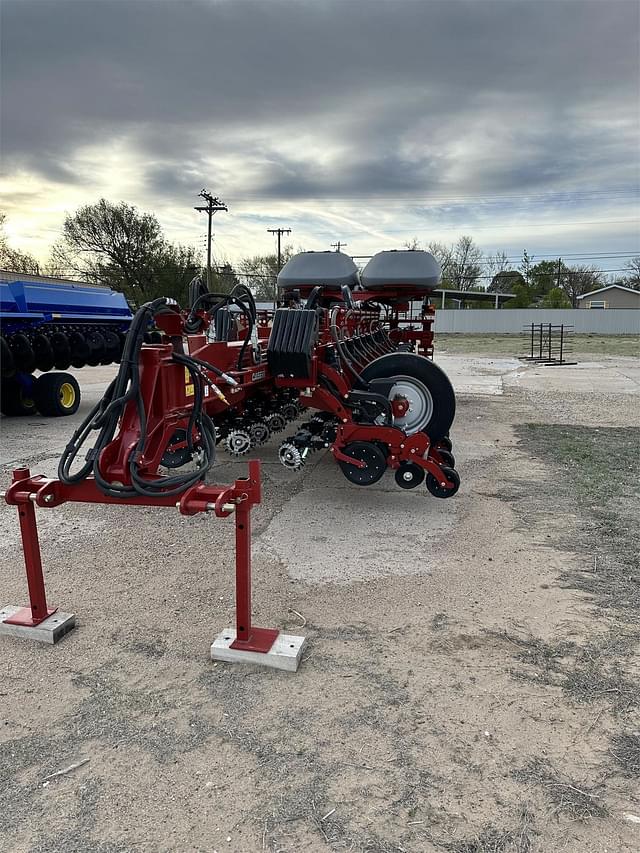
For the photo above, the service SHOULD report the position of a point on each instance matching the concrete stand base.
(284, 654)
(50, 630)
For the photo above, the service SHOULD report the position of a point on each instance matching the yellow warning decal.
(189, 390)
(187, 376)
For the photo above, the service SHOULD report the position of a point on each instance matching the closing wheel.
(56, 394)
(259, 432)
(290, 456)
(446, 442)
(409, 475)
(439, 491)
(16, 398)
(375, 463)
(446, 457)
(238, 442)
(427, 389)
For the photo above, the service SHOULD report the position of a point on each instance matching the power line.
(279, 232)
(213, 206)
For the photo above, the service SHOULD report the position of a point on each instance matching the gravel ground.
(437, 707)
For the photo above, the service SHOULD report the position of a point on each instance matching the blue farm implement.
(52, 326)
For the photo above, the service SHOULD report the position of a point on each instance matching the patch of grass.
(594, 473)
(575, 800)
(494, 840)
(585, 673)
(625, 749)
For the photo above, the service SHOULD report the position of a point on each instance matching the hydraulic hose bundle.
(106, 415)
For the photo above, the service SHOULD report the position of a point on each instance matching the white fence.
(511, 321)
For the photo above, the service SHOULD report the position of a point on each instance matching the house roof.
(610, 287)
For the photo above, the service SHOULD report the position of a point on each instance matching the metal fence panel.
(510, 321)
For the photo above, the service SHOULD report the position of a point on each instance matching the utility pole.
(558, 279)
(279, 232)
(213, 205)
(337, 246)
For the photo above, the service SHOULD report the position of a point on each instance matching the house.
(613, 296)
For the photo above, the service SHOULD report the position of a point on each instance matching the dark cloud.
(395, 86)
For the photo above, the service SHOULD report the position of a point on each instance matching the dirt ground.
(470, 682)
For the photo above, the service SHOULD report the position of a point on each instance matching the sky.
(364, 121)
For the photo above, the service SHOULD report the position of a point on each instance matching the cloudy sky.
(367, 121)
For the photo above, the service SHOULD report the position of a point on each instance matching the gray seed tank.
(310, 269)
(406, 269)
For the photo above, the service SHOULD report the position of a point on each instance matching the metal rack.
(549, 344)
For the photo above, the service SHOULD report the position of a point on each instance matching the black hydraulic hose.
(106, 415)
(343, 357)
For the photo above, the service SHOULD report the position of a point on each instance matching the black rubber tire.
(7, 363)
(79, 349)
(14, 399)
(437, 490)
(447, 457)
(43, 352)
(57, 394)
(446, 442)
(430, 375)
(364, 451)
(61, 350)
(112, 346)
(409, 468)
(23, 355)
(97, 348)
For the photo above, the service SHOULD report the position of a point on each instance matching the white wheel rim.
(420, 401)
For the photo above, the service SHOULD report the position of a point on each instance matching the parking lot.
(470, 682)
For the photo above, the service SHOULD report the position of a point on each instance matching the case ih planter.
(352, 355)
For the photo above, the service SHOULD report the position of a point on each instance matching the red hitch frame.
(27, 491)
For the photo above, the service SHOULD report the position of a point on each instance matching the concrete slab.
(475, 375)
(285, 653)
(50, 630)
(344, 533)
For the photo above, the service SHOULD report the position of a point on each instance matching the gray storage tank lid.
(411, 267)
(312, 268)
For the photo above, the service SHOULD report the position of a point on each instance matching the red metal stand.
(38, 611)
(26, 491)
(247, 637)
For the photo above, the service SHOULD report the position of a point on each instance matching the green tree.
(122, 248)
(523, 295)
(260, 273)
(13, 260)
(505, 281)
(224, 279)
(555, 298)
(545, 276)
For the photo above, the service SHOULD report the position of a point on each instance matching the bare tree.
(579, 280)
(13, 259)
(633, 278)
(497, 263)
(260, 273)
(464, 268)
